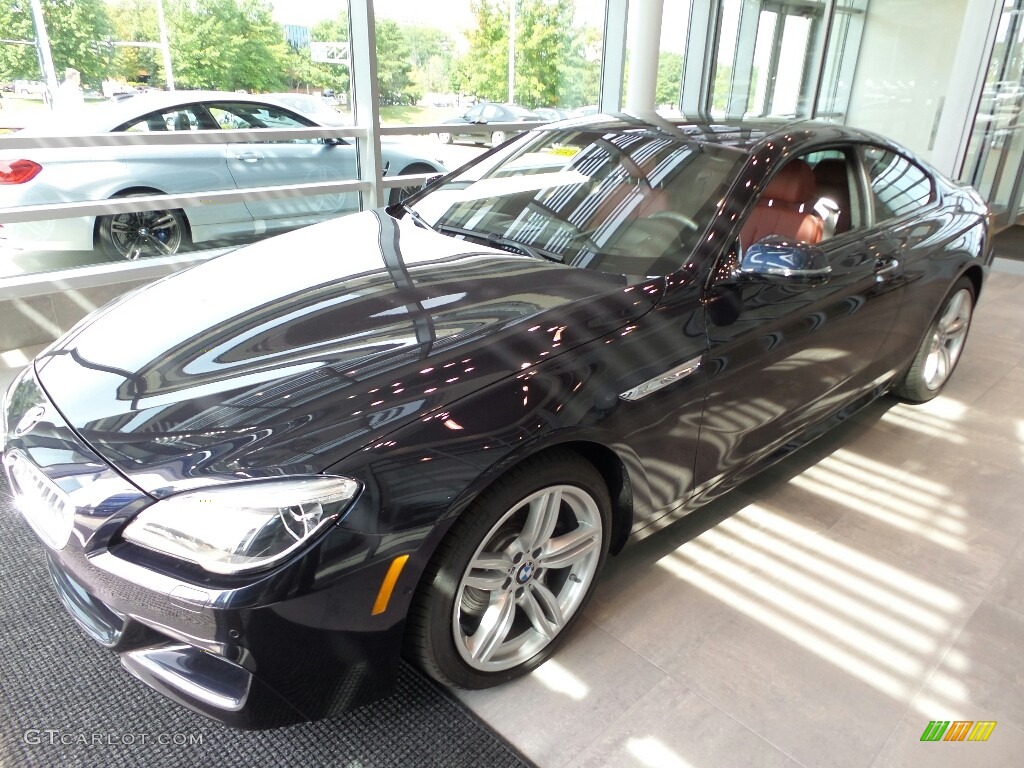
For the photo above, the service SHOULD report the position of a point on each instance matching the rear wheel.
(143, 233)
(444, 138)
(940, 351)
(498, 137)
(513, 574)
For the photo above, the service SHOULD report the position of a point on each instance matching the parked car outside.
(471, 126)
(29, 88)
(552, 113)
(422, 430)
(320, 108)
(58, 175)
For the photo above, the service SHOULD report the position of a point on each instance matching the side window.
(836, 189)
(898, 186)
(179, 119)
(246, 116)
(474, 112)
(809, 199)
(491, 113)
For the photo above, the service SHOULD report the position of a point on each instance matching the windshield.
(632, 201)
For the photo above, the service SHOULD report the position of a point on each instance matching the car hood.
(286, 356)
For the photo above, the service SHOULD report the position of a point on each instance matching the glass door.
(764, 57)
(995, 155)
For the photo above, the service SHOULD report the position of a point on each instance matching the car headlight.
(242, 526)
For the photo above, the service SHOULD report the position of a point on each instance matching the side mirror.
(780, 259)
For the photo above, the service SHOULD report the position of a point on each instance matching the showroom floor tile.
(824, 613)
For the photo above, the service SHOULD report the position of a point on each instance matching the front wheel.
(142, 233)
(940, 351)
(401, 194)
(444, 138)
(513, 574)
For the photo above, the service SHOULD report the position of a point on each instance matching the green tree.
(136, 21)
(75, 28)
(670, 73)
(394, 65)
(430, 53)
(306, 72)
(552, 63)
(226, 45)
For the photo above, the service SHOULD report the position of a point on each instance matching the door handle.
(249, 157)
(886, 266)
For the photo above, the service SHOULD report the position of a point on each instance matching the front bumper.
(302, 641)
(257, 667)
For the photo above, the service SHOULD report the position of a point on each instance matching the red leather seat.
(833, 182)
(786, 208)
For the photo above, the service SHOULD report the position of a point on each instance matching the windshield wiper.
(396, 208)
(504, 243)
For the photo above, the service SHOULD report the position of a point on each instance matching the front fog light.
(242, 526)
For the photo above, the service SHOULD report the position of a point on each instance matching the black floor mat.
(66, 701)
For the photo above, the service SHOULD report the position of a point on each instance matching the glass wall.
(995, 154)
(279, 143)
(272, 143)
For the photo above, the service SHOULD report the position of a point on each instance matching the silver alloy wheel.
(527, 578)
(145, 233)
(947, 340)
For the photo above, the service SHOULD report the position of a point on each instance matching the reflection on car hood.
(288, 355)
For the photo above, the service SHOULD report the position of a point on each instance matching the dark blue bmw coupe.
(422, 429)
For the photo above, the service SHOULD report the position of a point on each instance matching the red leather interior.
(786, 208)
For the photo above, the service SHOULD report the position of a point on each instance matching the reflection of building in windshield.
(620, 202)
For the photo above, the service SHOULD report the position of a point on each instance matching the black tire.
(940, 350)
(141, 234)
(556, 505)
(398, 194)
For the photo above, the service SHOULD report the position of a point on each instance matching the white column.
(644, 45)
(366, 96)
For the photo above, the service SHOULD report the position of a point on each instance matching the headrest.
(832, 172)
(793, 184)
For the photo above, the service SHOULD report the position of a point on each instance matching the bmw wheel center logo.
(525, 572)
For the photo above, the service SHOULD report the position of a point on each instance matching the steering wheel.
(676, 217)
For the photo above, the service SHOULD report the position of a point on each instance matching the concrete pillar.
(644, 45)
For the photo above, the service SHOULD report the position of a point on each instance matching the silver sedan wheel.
(947, 340)
(145, 233)
(528, 577)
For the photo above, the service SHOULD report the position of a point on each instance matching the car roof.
(741, 134)
(101, 118)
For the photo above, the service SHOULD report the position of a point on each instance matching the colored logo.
(525, 573)
(958, 730)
